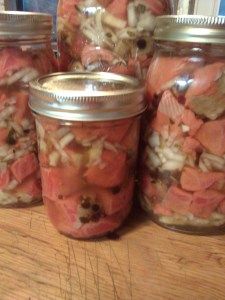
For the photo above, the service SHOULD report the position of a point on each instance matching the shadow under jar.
(183, 167)
(88, 134)
(107, 35)
(25, 54)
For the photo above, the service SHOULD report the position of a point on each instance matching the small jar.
(183, 170)
(88, 133)
(25, 54)
(107, 35)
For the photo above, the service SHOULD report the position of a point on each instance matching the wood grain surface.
(147, 262)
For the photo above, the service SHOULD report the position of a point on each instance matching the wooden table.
(147, 262)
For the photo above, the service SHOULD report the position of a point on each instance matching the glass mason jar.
(107, 35)
(183, 170)
(25, 53)
(88, 133)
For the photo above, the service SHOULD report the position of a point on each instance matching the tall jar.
(88, 134)
(107, 35)
(25, 53)
(183, 170)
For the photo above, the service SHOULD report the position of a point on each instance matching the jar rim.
(87, 96)
(190, 28)
(24, 25)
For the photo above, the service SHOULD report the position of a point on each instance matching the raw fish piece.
(177, 200)
(169, 106)
(212, 136)
(205, 202)
(194, 180)
(110, 172)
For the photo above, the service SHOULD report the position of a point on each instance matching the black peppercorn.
(95, 207)
(11, 138)
(116, 189)
(95, 217)
(85, 203)
(84, 220)
(141, 43)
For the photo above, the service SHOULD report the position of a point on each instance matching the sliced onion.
(172, 165)
(3, 166)
(12, 185)
(6, 198)
(24, 197)
(202, 166)
(98, 21)
(110, 147)
(91, 35)
(113, 21)
(16, 76)
(213, 158)
(4, 150)
(169, 154)
(30, 75)
(64, 156)
(131, 15)
(7, 112)
(154, 139)
(95, 153)
(42, 145)
(61, 132)
(146, 22)
(20, 153)
(185, 128)
(76, 158)
(26, 124)
(128, 33)
(40, 130)
(153, 159)
(54, 158)
(3, 124)
(66, 140)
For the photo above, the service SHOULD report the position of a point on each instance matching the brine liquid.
(183, 170)
(87, 171)
(111, 35)
(19, 170)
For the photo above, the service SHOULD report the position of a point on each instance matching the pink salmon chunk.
(205, 202)
(60, 182)
(111, 173)
(177, 200)
(212, 136)
(194, 180)
(24, 166)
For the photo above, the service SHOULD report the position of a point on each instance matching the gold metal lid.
(87, 96)
(190, 28)
(22, 25)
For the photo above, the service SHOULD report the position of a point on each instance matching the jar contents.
(88, 134)
(111, 35)
(25, 54)
(183, 183)
(19, 171)
(87, 171)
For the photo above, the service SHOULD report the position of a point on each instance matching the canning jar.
(107, 35)
(183, 170)
(88, 132)
(25, 53)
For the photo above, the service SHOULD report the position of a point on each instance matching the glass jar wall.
(183, 167)
(111, 35)
(25, 54)
(87, 171)
(88, 144)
